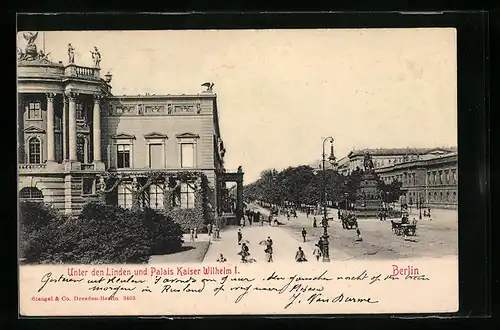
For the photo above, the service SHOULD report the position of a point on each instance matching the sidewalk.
(191, 252)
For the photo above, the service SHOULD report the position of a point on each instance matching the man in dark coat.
(304, 233)
(240, 236)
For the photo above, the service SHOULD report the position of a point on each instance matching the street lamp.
(420, 205)
(332, 160)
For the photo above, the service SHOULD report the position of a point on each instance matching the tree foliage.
(304, 185)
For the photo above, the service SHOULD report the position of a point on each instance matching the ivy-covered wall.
(204, 196)
(198, 216)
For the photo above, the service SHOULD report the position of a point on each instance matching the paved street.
(435, 238)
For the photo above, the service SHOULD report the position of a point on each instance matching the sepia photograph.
(237, 147)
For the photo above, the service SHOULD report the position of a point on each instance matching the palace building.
(77, 142)
(428, 175)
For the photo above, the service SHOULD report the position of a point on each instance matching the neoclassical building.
(77, 142)
(428, 175)
(432, 181)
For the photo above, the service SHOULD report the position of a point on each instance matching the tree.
(391, 192)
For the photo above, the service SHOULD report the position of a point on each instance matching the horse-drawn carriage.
(404, 227)
(349, 221)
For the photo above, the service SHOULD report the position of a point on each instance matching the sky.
(281, 92)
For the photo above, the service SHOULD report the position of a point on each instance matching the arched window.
(30, 193)
(35, 150)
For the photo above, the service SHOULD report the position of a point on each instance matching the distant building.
(430, 174)
(77, 142)
(432, 181)
(391, 156)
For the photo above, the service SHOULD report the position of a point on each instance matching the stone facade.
(73, 133)
(389, 156)
(433, 181)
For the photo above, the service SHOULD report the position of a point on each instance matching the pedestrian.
(315, 223)
(217, 232)
(358, 232)
(429, 212)
(240, 236)
(191, 237)
(300, 255)
(288, 215)
(270, 219)
(209, 228)
(308, 212)
(195, 233)
(269, 249)
(214, 231)
(244, 252)
(261, 220)
(242, 222)
(304, 233)
(317, 252)
(221, 258)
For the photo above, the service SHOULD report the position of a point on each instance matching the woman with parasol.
(269, 248)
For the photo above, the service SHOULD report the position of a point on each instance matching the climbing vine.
(197, 216)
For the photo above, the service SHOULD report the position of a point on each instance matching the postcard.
(229, 172)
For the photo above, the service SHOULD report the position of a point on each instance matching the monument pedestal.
(368, 201)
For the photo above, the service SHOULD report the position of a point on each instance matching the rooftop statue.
(31, 52)
(209, 86)
(96, 56)
(71, 53)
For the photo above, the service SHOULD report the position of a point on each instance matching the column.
(96, 124)
(50, 128)
(72, 126)
(239, 200)
(64, 128)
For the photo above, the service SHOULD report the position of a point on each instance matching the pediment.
(34, 129)
(155, 135)
(123, 136)
(187, 136)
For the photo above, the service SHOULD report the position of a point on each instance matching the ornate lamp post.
(332, 160)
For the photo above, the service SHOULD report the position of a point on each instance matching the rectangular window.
(155, 197)
(88, 186)
(34, 110)
(123, 156)
(125, 195)
(35, 155)
(58, 146)
(80, 114)
(187, 196)
(187, 155)
(156, 159)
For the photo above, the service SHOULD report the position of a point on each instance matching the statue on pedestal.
(31, 53)
(71, 54)
(96, 56)
(368, 163)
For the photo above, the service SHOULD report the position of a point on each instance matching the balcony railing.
(82, 72)
(32, 167)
